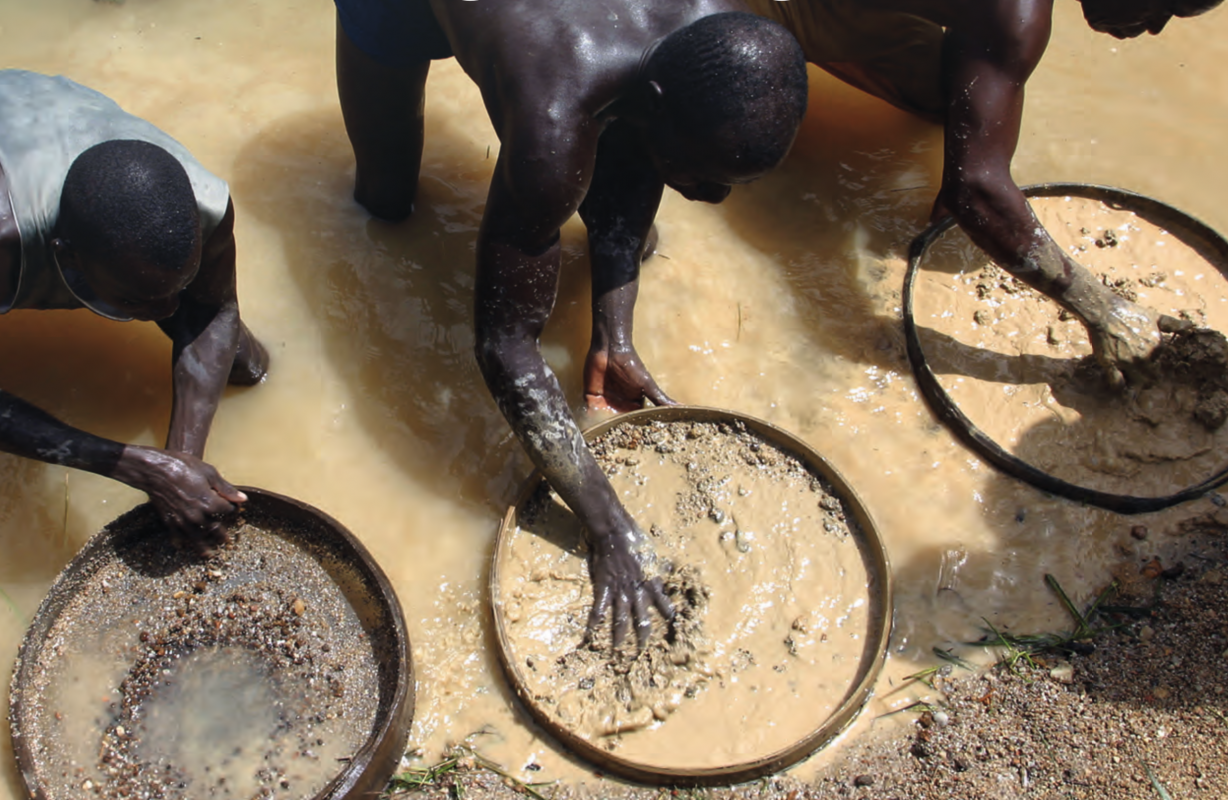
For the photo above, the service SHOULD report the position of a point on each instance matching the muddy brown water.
(781, 303)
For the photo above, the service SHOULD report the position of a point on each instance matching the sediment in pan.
(766, 569)
(246, 675)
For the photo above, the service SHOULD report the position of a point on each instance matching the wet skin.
(199, 311)
(579, 133)
(990, 49)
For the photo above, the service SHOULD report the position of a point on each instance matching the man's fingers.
(1116, 379)
(643, 623)
(227, 490)
(622, 617)
(217, 533)
(601, 604)
(597, 402)
(1168, 324)
(664, 607)
(658, 397)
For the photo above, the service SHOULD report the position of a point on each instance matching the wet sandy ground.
(375, 412)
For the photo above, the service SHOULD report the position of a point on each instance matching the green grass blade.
(1155, 783)
(8, 601)
(1082, 628)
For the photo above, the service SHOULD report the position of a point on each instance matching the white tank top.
(45, 123)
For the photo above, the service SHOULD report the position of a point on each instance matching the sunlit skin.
(197, 308)
(584, 130)
(990, 48)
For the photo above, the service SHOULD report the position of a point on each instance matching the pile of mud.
(1191, 377)
(247, 675)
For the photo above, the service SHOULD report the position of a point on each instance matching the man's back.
(555, 58)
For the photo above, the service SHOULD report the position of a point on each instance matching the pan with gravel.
(778, 580)
(277, 667)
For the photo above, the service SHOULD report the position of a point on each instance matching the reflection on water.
(782, 303)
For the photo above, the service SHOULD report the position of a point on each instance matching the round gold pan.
(873, 655)
(361, 580)
(1191, 231)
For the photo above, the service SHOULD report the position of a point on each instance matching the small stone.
(920, 750)
(941, 719)
(1139, 532)
(961, 763)
(863, 780)
(1062, 673)
(298, 607)
(1162, 693)
(1147, 633)
(981, 317)
(1212, 577)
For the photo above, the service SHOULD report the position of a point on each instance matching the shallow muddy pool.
(782, 303)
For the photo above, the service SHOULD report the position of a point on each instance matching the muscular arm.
(188, 493)
(204, 332)
(618, 213)
(987, 58)
(537, 184)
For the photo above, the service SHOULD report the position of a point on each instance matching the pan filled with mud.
(279, 666)
(780, 588)
(1014, 376)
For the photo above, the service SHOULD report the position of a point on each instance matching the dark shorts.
(394, 33)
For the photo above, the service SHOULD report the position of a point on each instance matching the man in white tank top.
(101, 210)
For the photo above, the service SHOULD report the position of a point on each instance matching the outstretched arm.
(987, 58)
(618, 211)
(199, 491)
(531, 195)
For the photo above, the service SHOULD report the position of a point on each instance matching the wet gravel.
(1139, 713)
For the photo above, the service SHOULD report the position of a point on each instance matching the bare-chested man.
(964, 63)
(597, 106)
(103, 211)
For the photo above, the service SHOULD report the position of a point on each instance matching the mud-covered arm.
(618, 212)
(538, 183)
(987, 59)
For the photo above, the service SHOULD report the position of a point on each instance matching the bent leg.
(383, 111)
(251, 362)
